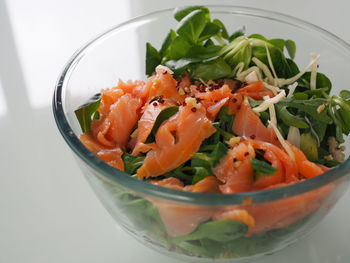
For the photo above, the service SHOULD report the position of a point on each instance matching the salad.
(219, 113)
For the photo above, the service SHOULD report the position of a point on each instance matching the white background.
(48, 213)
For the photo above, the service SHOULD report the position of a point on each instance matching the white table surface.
(48, 213)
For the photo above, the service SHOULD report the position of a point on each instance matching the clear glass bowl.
(150, 213)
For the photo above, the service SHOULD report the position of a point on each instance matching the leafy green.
(167, 42)
(179, 48)
(132, 163)
(181, 12)
(221, 231)
(309, 107)
(211, 29)
(88, 112)
(192, 25)
(291, 48)
(225, 119)
(211, 70)
(153, 59)
(290, 119)
(199, 174)
(308, 145)
(322, 82)
(162, 116)
(223, 33)
(263, 167)
(209, 160)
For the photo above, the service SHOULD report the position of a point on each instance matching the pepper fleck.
(155, 104)
(234, 100)
(193, 109)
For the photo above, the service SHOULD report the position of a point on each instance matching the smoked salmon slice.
(182, 219)
(146, 122)
(115, 127)
(112, 156)
(176, 140)
(248, 125)
(235, 169)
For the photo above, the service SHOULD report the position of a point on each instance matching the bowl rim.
(117, 177)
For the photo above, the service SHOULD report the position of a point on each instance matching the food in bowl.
(226, 114)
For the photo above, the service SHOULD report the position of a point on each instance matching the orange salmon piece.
(290, 167)
(176, 140)
(235, 169)
(234, 104)
(109, 97)
(146, 122)
(248, 125)
(209, 184)
(137, 89)
(240, 215)
(281, 213)
(115, 127)
(252, 87)
(264, 181)
(163, 85)
(171, 182)
(306, 168)
(182, 219)
(111, 156)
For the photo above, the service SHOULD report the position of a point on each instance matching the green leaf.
(322, 82)
(224, 33)
(181, 12)
(209, 160)
(277, 42)
(191, 26)
(290, 119)
(218, 153)
(132, 163)
(209, 31)
(212, 70)
(183, 173)
(209, 43)
(88, 112)
(199, 174)
(162, 116)
(167, 42)
(309, 107)
(291, 48)
(263, 167)
(345, 94)
(153, 59)
(294, 70)
(221, 231)
(258, 36)
(308, 145)
(225, 119)
(178, 48)
(202, 52)
(239, 32)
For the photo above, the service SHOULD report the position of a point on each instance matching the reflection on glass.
(44, 48)
(3, 106)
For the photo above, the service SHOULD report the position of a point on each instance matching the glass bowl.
(153, 214)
